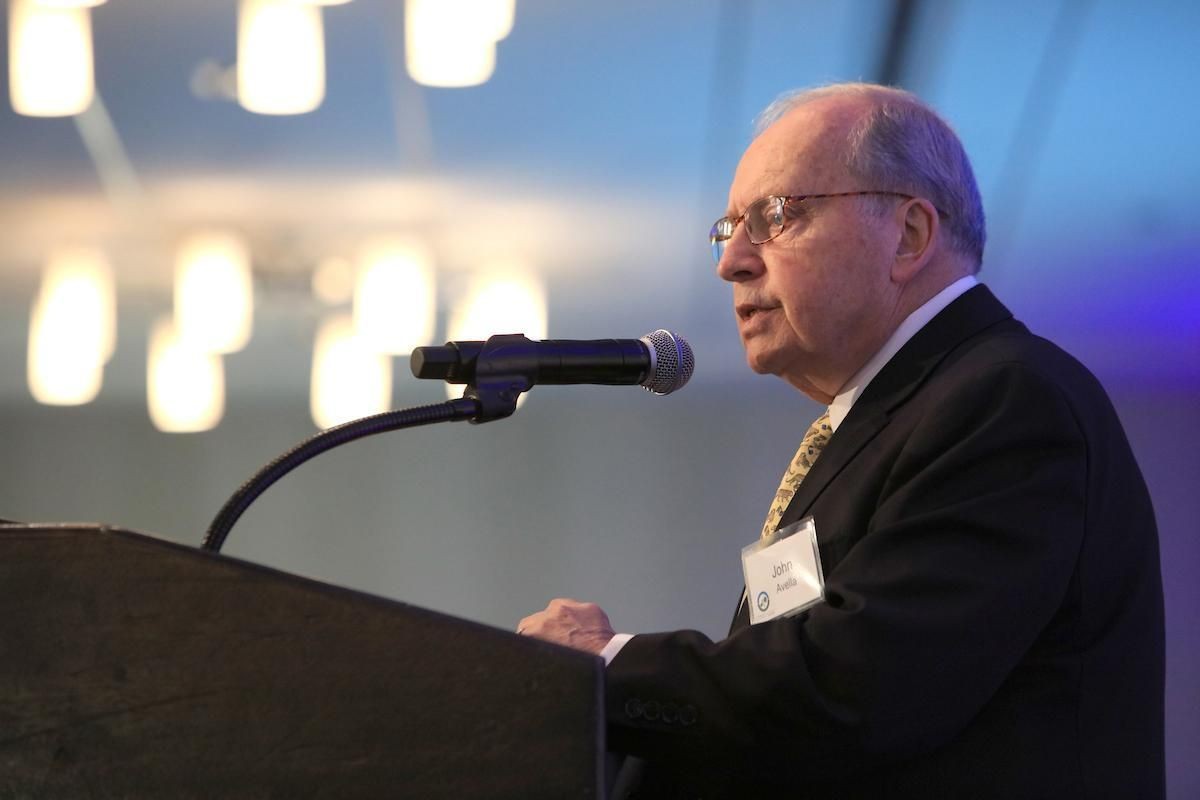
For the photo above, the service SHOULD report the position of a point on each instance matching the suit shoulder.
(1013, 348)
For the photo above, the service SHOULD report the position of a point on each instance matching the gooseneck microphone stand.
(488, 397)
(495, 372)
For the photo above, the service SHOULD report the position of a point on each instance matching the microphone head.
(671, 361)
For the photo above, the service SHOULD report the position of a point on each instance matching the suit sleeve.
(967, 556)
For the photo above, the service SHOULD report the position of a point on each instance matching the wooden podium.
(133, 667)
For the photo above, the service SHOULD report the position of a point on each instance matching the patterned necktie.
(810, 447)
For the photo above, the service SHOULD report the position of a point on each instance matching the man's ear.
(918, 238)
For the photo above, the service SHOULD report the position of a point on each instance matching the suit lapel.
(973, 312)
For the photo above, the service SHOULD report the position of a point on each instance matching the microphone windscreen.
(673, 361)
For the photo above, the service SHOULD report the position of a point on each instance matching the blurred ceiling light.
(185, 387)
(50, 71)
(452, 43)
(281, 56)
(84, 273)
(506, 301)
(333, 281)
(394, 295)
(72, 328)
(214, 292)
(348, 380)
(322, 2)
(494, 18)
(70, 3)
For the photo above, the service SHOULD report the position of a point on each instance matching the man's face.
(817, 301)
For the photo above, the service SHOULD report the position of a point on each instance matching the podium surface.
(135, 667)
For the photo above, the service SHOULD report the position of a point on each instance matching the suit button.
(651, 710)
(633, 708)
(670, 713)
(687, 715)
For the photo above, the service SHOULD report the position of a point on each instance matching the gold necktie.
(810, 447)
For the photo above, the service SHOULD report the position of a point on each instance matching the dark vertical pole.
(893, 59)
(1045, 89)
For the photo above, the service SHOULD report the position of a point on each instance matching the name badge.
(783, 572)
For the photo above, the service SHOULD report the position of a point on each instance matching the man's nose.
(741, 260)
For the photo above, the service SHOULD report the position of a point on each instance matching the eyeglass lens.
(763, 220)
(719, 238)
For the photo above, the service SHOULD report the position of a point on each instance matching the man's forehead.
(798, 154)
(764, 178)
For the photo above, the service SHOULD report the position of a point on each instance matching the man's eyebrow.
(732, 212)
(767, 184)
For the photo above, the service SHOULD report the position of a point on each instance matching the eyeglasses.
(765, 219)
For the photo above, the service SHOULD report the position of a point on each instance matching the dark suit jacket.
(993, 621)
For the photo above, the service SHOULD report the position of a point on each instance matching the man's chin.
(759, 363)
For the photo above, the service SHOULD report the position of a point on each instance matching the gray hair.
(901, 144)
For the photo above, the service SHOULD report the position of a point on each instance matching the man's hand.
(583, 626)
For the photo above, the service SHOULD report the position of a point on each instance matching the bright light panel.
(214, 292)
(394, 296)
(50, 70)
(72, 328)
(281, 56)
(448, 43)
(503, 301)
(185, 387)
(348, 379)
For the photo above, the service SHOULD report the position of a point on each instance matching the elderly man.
(992, 622)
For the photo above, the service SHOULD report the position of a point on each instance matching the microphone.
(660, 361)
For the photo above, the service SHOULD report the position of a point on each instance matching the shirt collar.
(918, 319)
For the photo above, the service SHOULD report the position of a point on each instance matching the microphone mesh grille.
(673, 362)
